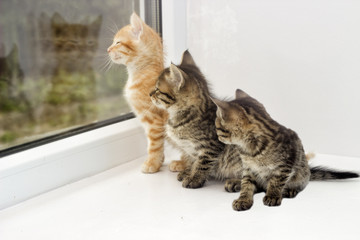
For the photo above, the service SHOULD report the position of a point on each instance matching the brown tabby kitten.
(273, 156)
(183, 92)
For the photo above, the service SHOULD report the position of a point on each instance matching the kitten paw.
(193, 182)
(272, 201)
(182, 175)
(233, 185)
(153, 163)
(150, 167)
(177, 165)
(290, 193)
(242, 204)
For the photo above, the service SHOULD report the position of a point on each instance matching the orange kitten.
(140, 48)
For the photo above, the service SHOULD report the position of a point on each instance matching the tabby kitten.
(273, 156)
(140, 48)
(183, 92)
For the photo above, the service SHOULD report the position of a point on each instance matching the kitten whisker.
(114, 24)
(102, 55)
(110, 64)
(109, 38)
(106, 66)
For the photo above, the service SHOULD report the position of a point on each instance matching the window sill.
(38, 170)
(123, 203)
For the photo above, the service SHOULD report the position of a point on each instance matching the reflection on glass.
(53, 74)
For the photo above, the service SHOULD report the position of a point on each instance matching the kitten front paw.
(177, 165)
(182, 175)
(233, 185)
(151, 166)
(193, 182)
(272, 201)
(153, 163)
(242, 204)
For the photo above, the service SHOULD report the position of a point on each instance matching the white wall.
(300, 58)
(174, 29)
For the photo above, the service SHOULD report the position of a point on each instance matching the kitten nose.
(109, 49)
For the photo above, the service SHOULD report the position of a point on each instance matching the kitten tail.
(321, 173)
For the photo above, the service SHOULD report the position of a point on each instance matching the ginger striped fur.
(140, 48)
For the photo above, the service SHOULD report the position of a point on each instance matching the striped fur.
(183, 92)
(140, 48)
(273, 156)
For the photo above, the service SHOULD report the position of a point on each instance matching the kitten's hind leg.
(290, 192)
(233, 185)
(296, 184)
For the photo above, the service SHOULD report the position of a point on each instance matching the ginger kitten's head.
(135, 44)
(179, 87)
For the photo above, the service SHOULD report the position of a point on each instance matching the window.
(55, 79)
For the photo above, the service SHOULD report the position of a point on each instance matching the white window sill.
(35, 171)
(123, 203)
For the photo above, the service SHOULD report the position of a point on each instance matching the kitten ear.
(187, 59)
(136, 26)
(221, 107)
(57, 19)
(240, 94)
(177, 77)
(96, 24)
(14, 54)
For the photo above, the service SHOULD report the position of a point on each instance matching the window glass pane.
(54, 68)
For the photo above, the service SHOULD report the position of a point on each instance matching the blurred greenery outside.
(43, 91)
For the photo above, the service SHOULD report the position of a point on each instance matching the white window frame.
(40, 169)
(34, 171)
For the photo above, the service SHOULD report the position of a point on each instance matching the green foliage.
(8, 137)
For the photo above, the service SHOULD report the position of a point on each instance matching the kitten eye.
(118, 42)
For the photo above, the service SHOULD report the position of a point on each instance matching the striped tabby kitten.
(182, 90)
(273, 156)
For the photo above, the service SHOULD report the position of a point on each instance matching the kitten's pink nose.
(109, 49)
